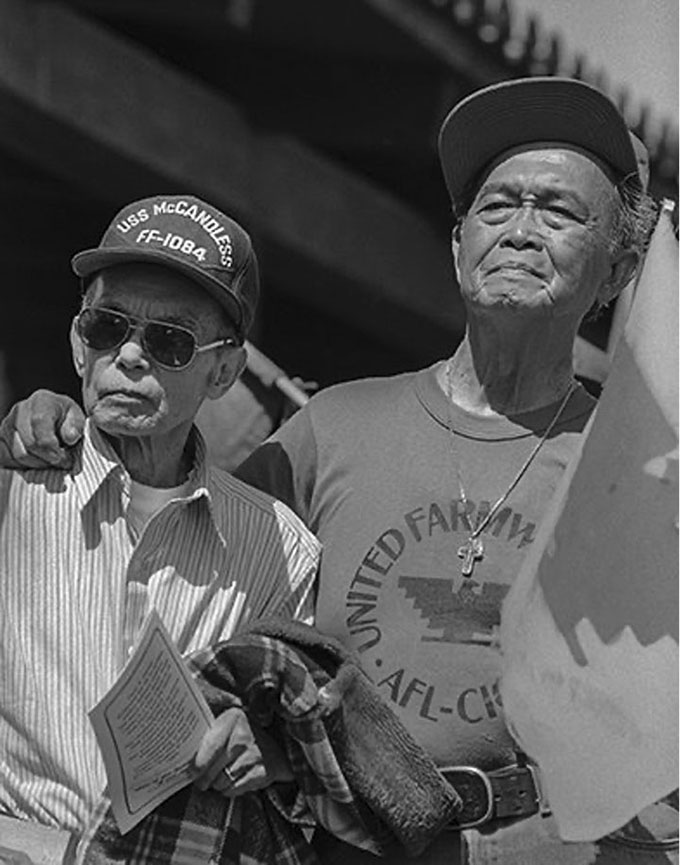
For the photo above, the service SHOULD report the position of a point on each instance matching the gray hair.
(635, 219)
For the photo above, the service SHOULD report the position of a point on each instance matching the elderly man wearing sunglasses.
(141, 522)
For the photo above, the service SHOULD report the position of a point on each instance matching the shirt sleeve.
(295, 597)
(300, 605)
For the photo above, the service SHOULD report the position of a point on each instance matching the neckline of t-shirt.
(146, 494)
(434, 401)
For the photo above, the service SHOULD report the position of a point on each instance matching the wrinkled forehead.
(544, 155)
(152, 290)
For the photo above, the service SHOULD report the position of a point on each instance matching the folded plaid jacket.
(356, 770)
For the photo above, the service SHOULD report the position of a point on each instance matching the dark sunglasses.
(169, 345)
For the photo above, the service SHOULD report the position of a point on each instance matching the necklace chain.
(473, 548)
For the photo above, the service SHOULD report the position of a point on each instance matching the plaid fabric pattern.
(356, 770)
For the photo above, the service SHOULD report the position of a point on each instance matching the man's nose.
(131, 353)
(523, 229)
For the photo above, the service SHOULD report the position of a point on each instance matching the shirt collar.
(99, 462)
(201, 482)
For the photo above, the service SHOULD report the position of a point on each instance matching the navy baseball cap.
(524, 110)
(186, 234)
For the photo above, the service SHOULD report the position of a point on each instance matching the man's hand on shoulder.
(40, 432)
(237, 757)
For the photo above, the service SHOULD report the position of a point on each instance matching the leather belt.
(502, 794)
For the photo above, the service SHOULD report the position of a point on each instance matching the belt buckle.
(541, 801)
(517, 792)
(474, 788)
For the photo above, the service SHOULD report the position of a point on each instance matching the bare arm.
(40, 431)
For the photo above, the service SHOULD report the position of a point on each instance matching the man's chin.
(520, 294)
(120, 424)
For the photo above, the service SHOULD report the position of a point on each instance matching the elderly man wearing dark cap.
(426, 489)
(141, 522)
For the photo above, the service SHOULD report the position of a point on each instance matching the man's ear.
(455, 247)
(623, 269)
(229, 367)
(77, 350)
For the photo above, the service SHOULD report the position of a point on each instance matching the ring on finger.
(229, 775)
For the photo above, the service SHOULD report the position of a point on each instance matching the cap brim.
(92, 260)
(522, 111)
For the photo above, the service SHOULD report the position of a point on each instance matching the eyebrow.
(187, 319)
(549, 193)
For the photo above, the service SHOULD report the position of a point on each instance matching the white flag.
(590, 629)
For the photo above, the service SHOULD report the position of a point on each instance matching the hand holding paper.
(149, 727)
(157, 734)
(237, 757)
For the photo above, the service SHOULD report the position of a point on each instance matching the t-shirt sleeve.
(285, 464)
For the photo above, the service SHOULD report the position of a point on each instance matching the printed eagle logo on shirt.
(468, 615)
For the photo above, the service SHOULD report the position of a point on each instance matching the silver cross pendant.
(472, 549)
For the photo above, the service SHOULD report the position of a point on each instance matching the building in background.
(314, 123)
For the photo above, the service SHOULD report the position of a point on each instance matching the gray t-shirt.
(372, 468)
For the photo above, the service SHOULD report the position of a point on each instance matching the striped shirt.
(75, 587)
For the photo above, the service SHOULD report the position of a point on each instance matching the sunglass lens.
(170, 346)
(102, 330)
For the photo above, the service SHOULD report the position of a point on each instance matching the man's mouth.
(517, 266)
(122, 394)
